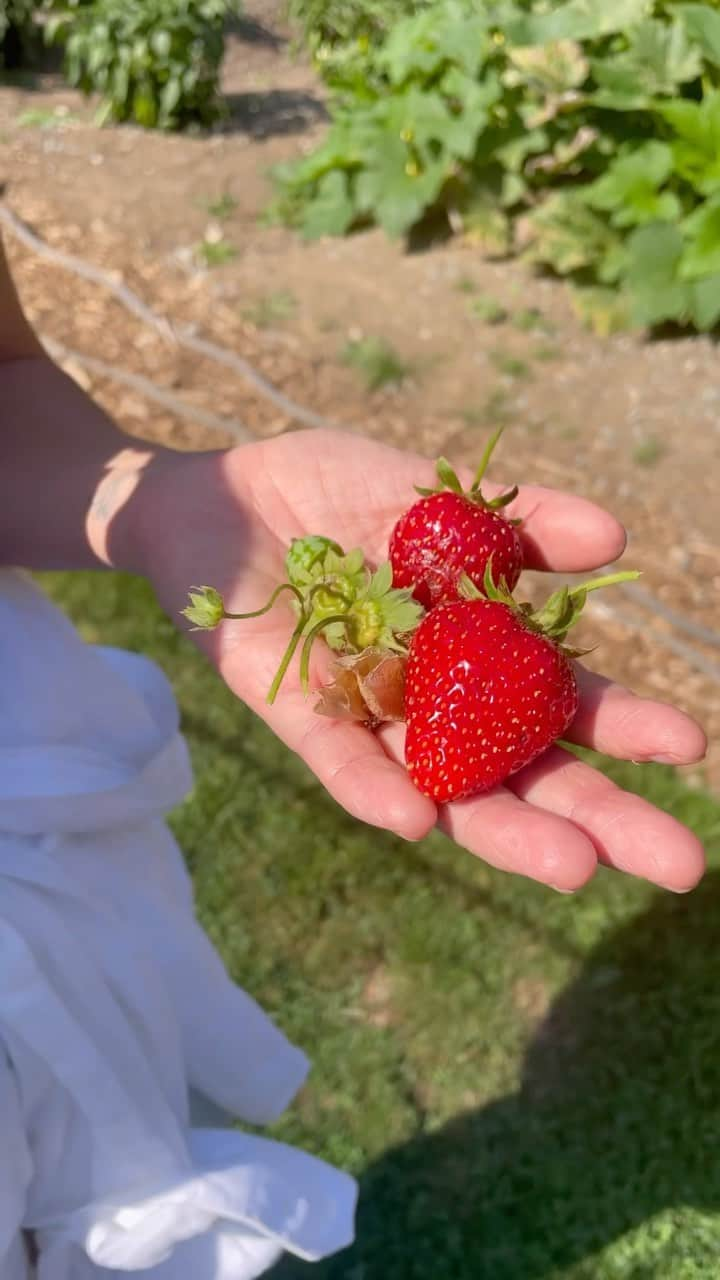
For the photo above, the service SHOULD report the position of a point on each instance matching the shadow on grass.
(617, 1119)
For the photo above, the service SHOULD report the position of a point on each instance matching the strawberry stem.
(307, 646)
(559, 613)
(286, 659)
(626, 575)
(448, 478)
(299, 629)
(484, 461)
(503, 499)
(257, 613)
(564, 607)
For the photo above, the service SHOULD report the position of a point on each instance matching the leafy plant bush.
(155, 62)
(329, 24)
(585, 136)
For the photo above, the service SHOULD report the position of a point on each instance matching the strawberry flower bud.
(206, 608)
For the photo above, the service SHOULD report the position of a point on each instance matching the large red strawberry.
(450, 531)
(489, 686)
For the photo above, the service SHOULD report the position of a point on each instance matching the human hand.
(227, 518)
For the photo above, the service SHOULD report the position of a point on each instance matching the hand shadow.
(617, 1118)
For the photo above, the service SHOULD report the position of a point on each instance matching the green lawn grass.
(527, 1084)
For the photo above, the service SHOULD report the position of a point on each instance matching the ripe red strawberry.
(449, 532)
(489, 686)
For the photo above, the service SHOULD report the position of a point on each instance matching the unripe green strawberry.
(334, 595)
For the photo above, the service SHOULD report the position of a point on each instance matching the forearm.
(71, 483)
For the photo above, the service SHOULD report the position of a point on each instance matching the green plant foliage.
(17, 30)
(594, 128)
(329, 24)
(154, 62)
(377, 362)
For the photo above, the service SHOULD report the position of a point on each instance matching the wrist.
(144, 504)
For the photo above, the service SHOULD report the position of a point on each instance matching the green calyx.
(206, 608)
(449, 480)
(335, 595)
(559, 613)
(383, 615)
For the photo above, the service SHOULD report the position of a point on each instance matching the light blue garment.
(114, 1006)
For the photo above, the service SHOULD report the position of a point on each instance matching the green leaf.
(170, 97)
(485, 221)
(120, 85)
(381, 581)
(161, 44)
(578, 20)
(353, 562)
(701, 256)
(696, 148)
(527, 142)
(447, 476)
(654, 254)
(56, 27)
(629, 190)
(514, 190)
(421, 46)
(396, 189)
(401, 612)
(703, 27)
(569, 236)
(331, 211)
(462, 128)
(659, 58)
(144, 108)
(706, 302)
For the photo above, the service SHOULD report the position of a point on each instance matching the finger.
(513, 836)
(516, 837)
(345, 756)
(619, 723)
(562, 532)
(351, 764)
(627, 832)
(559, 531)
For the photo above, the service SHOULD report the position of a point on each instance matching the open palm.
(555, 819)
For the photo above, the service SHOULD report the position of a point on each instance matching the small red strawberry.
(489, 687)
(449, 532)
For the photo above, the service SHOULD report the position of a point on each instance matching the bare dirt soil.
(632, 423)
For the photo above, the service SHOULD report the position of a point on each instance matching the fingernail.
(663, 759)
(559, 890)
